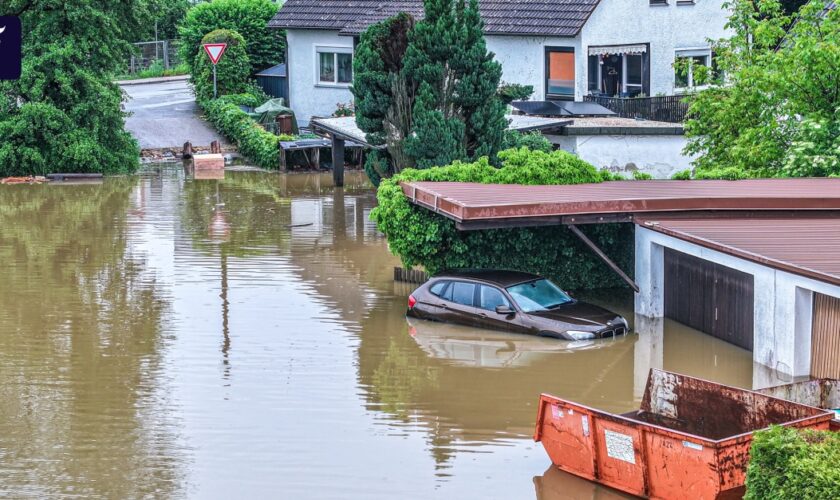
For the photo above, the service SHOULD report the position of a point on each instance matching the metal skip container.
(822, 393)
(689, 439)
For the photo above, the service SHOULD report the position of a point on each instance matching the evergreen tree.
(433, 99)
(64, 112)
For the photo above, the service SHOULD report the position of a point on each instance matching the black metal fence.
(663, 108)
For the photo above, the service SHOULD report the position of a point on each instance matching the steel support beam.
(603, 257)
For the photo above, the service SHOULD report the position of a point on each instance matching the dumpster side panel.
(680, 468)
(732, 460)
(620, 456)
(567, 438)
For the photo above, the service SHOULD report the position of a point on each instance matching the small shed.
(274, 81)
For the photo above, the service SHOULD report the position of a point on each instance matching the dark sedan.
(512, 301)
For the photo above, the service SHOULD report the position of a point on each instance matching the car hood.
(579, 313)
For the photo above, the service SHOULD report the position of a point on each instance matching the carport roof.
(806, 245)
(481, 206)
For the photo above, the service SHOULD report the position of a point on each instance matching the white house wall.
(666, 27)
(783, 304)
(523, 61)
(306, 96)
(658, 155)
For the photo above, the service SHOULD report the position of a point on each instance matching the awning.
(639, 48)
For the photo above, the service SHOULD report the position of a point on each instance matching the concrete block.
(208, 162)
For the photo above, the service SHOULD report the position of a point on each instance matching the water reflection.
(80, 350)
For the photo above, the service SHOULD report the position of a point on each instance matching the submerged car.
(512, 301)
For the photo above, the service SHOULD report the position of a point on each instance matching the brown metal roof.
(563, 18)
(486, 205)
(808, 246)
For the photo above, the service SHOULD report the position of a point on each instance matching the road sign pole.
(215, 85)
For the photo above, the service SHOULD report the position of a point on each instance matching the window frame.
(690, 53)
(547, 73)
(335, 50)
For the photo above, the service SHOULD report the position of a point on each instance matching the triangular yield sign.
(215, 51)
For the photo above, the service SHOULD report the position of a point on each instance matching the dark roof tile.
(501, 17)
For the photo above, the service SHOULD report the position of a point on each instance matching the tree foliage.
(420, 237)
(428, 90)
(776, 112)
(64, 113)
(247, 17)
(232, 72)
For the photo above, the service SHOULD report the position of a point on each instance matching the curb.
(146, 81)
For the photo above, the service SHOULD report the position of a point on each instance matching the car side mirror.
(506, 310)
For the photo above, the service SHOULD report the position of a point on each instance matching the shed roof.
(278, 70)
(563, 18)
(499, 205)
(806, 245)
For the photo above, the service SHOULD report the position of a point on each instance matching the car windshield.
(539, 295)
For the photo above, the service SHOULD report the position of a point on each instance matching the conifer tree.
(429, 91)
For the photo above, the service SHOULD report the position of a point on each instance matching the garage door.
(714, 299)
(825, 340)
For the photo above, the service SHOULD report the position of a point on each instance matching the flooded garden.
(166, 337)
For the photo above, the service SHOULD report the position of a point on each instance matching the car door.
(458, 303)
(488, 298)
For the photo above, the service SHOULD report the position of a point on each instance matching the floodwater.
(163, 337)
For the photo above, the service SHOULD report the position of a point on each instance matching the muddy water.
(163, 337)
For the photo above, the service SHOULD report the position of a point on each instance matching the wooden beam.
(338, 160)
(603, 257)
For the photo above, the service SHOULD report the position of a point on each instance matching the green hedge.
(260, 146)
(420, 237)
(790, 464)
(232, 71)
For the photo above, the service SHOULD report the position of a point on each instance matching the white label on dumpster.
(556, 412)
(584, 421)
(693, 446)
(620, 446)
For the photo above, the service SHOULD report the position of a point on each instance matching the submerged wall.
(783, 304)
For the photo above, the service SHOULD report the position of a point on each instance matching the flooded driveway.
(163, 337)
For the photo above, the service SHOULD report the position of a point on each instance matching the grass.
(156, 71)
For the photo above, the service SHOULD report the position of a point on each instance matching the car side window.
(491, 298)
(461, 293)
(437, 288)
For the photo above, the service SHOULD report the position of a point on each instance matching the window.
(692, 68)
(540, 295)
(335, 66)
(560, 72)
(460, 293)
(491, 297)
(437, 288)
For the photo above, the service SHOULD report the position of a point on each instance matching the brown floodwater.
(163, 337)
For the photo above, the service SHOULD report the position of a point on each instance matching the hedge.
(787, 463)
(420, 237)
(259, 145)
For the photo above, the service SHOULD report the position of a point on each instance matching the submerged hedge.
(259, 145)
(787, 463)
(420, 237)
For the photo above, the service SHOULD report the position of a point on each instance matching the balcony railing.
(663, 108)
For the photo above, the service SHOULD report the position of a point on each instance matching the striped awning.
(638, 48)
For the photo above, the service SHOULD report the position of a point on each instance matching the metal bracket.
(603, 257)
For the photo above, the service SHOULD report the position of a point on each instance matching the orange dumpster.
(822, 393)
(689, 439)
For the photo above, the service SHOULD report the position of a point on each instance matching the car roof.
(500, 278)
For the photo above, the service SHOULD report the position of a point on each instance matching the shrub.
(420, 237)
(727, 173)
(534, 141)
(683, 175)
(232, 70)
(249, 18)
(261, 146)
(788, 463)
(638, 175)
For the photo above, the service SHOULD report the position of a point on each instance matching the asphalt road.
(165, 115)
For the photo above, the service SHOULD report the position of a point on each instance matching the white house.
(566, 49)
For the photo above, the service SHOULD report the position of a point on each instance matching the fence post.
(166, 54)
